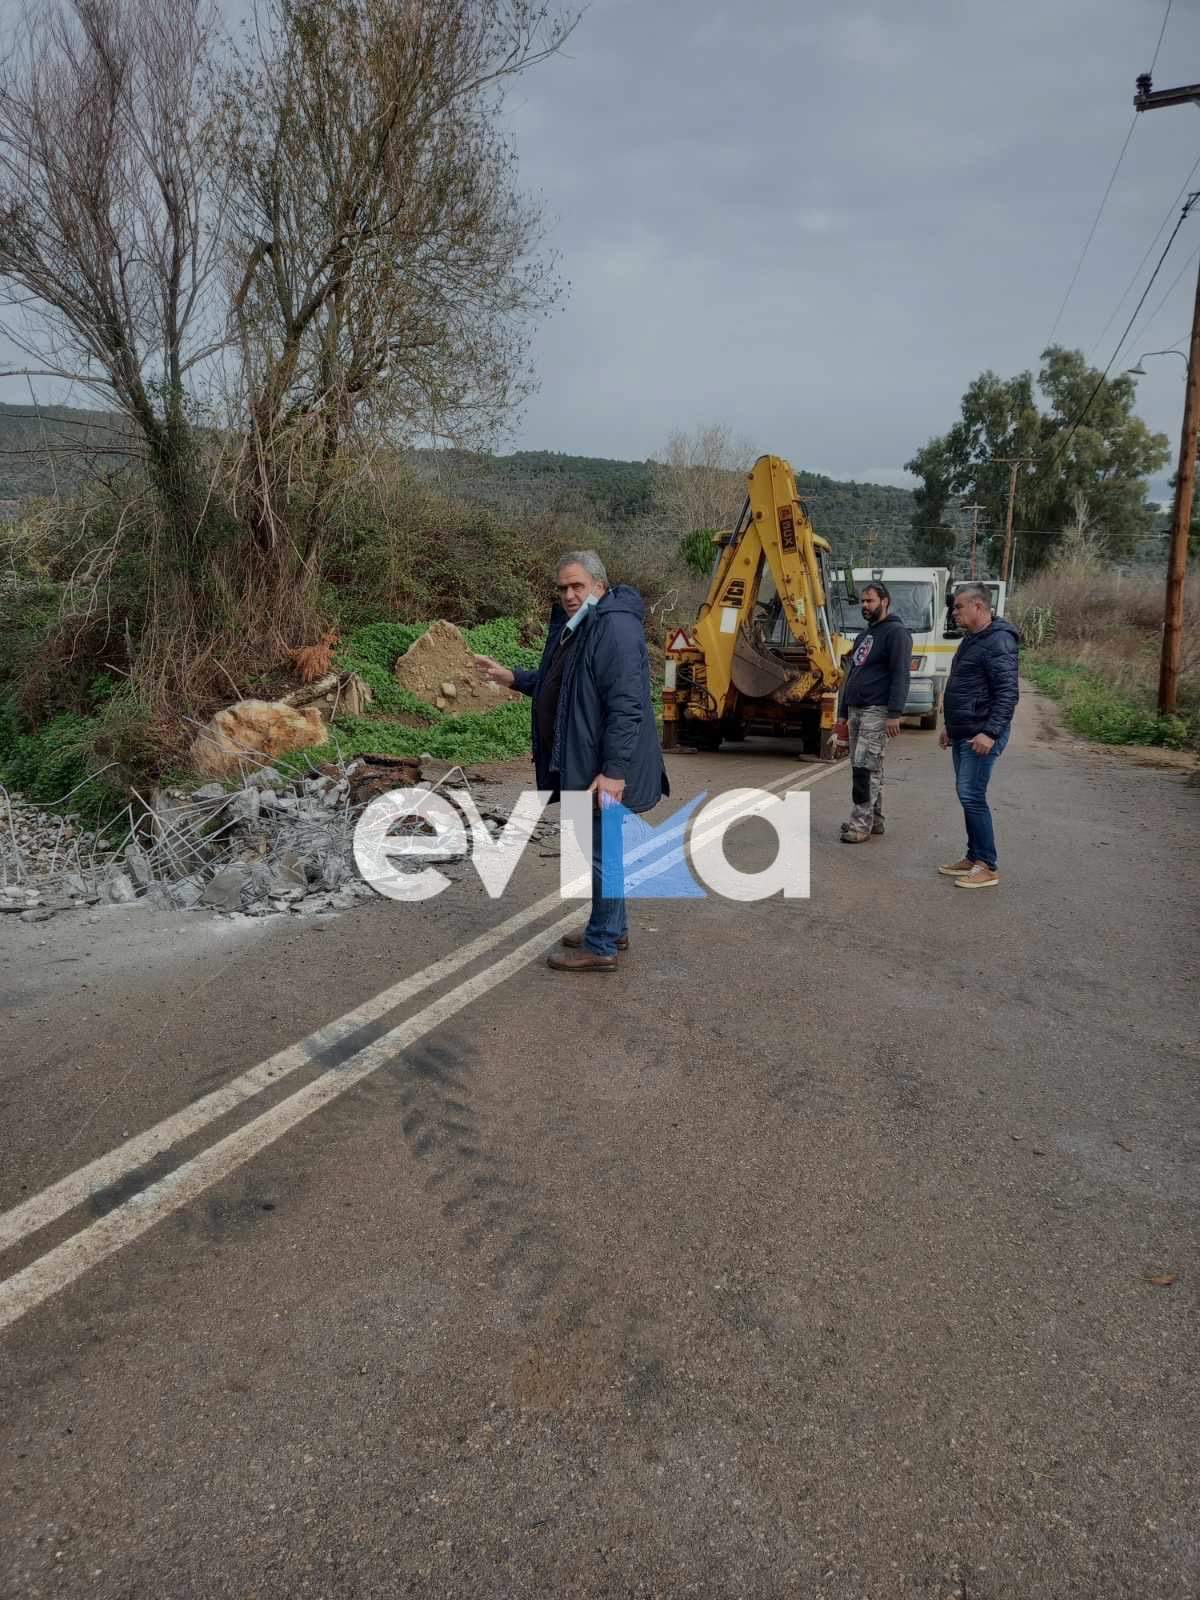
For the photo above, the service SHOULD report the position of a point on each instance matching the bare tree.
(699, 483)
(110, 210)
(385, 266)
(1080, 551)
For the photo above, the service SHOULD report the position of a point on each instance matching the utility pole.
(974, 510)
(1015, 462)
(1181, 523)
(1149, 99)
(870, 542)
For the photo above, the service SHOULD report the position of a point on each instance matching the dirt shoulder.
(1048, 728)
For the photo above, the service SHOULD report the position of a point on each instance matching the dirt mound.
(439, 668)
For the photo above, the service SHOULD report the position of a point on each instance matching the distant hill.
(531, 482)
(46, 450)
(56, 448)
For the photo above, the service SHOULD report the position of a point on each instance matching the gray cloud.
(820, 222)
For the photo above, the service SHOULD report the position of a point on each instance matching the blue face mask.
(573, 622)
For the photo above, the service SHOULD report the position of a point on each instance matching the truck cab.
(922, 597)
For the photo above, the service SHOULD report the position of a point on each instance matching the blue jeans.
(971, 774)
(608, 921)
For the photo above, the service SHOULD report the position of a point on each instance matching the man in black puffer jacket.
(977, 709)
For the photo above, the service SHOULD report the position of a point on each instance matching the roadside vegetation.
(1092, 642)
(276, 263)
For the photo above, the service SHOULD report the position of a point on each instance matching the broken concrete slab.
(118, 888)
(246, 805)
(264, 778)
(224, 890)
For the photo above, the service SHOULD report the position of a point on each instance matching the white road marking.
(60, 1266)
(72, 1190)
(55, 1201)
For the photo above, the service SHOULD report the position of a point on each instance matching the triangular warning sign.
(679, 641)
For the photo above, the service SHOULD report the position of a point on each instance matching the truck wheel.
(929, 723)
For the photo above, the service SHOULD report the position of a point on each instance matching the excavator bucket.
(757, 673)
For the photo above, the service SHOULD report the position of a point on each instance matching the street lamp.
(1140, 372)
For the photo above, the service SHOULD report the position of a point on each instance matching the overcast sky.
(819, 222)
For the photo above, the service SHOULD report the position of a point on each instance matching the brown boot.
(574, 941)
(581, 961)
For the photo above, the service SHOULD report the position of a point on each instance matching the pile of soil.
(439, 668)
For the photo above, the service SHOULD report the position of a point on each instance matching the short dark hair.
(881, 589)
(974, 591)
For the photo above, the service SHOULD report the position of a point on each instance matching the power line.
(1137, 271)
(1192, 198)
(1147, 325)
(1092, 231)
(1087, 243)
(1161, 31)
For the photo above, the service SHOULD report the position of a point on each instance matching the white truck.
(922, 598)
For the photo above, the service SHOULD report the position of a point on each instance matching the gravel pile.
(48, 858)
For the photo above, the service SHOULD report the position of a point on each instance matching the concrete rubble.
(269, 845)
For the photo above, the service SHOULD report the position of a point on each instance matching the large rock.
(439, 668)
(246, 734)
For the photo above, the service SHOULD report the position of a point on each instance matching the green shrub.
(57, 763)
(501, 640)
(1094, 709)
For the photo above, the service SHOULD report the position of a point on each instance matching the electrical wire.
(1175, 282)
(1054, 460)
(1137, 271)
(1161, 31)
(1087, 243)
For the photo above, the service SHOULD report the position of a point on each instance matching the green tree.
(933, 538)
(696, 551)
(1083, 439)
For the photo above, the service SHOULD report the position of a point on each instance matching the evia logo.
(402, 835)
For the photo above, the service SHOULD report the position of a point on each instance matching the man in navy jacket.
(593, 726)
(977, 710)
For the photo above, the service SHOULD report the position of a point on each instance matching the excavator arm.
(773, 533)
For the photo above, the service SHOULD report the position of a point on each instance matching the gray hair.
(587, 559)
(974, 591)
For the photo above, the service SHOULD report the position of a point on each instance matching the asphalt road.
(812, 1254)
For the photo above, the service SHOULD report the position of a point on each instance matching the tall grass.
(1093, 639)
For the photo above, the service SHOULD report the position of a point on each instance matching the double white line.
(60, 1266)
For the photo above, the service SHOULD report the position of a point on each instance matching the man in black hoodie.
(872, 702)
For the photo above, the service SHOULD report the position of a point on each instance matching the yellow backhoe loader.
(762, 657)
